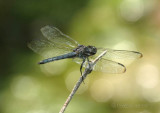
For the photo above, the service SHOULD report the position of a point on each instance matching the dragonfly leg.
(88, 63)
(82, 65)
(81, 68)
(88, 60)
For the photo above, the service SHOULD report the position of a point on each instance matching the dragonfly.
(55, 45)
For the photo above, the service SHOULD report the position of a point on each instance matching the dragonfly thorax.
(85, 51)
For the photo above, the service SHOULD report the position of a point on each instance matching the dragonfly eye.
(91, 49)
(94, 50)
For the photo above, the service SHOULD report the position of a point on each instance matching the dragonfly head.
(90, 50)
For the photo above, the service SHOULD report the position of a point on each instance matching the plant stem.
(84, 75)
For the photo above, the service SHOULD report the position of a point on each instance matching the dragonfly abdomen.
(68, 55)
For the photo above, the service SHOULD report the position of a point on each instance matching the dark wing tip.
(41, 62)
(140, 54)
(124, 70)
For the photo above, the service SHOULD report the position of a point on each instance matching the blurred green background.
(26, 87)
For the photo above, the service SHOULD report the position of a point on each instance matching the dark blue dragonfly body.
(68, 55)
(56, 46)
(81, 51)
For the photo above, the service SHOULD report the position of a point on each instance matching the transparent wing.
(56, 36)
(119, 54)
(53, 43)
(47, 49)
(79, 61)
(122, 56)
(104, 65)
(108, 66)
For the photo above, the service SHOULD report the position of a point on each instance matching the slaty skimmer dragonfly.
(54, 45)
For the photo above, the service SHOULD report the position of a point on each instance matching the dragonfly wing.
(104, 65)
(120, 54)
(47, 49)
(56, 36)
(108, 66)
(79, 61)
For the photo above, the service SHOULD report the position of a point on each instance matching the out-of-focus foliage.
(26, 87)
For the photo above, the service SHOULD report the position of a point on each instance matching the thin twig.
(84, 75)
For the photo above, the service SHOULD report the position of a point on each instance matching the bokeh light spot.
(24, 87)
(148, 76)
(101, 90)
(152, 94)
(132, 10)
(127, 45)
